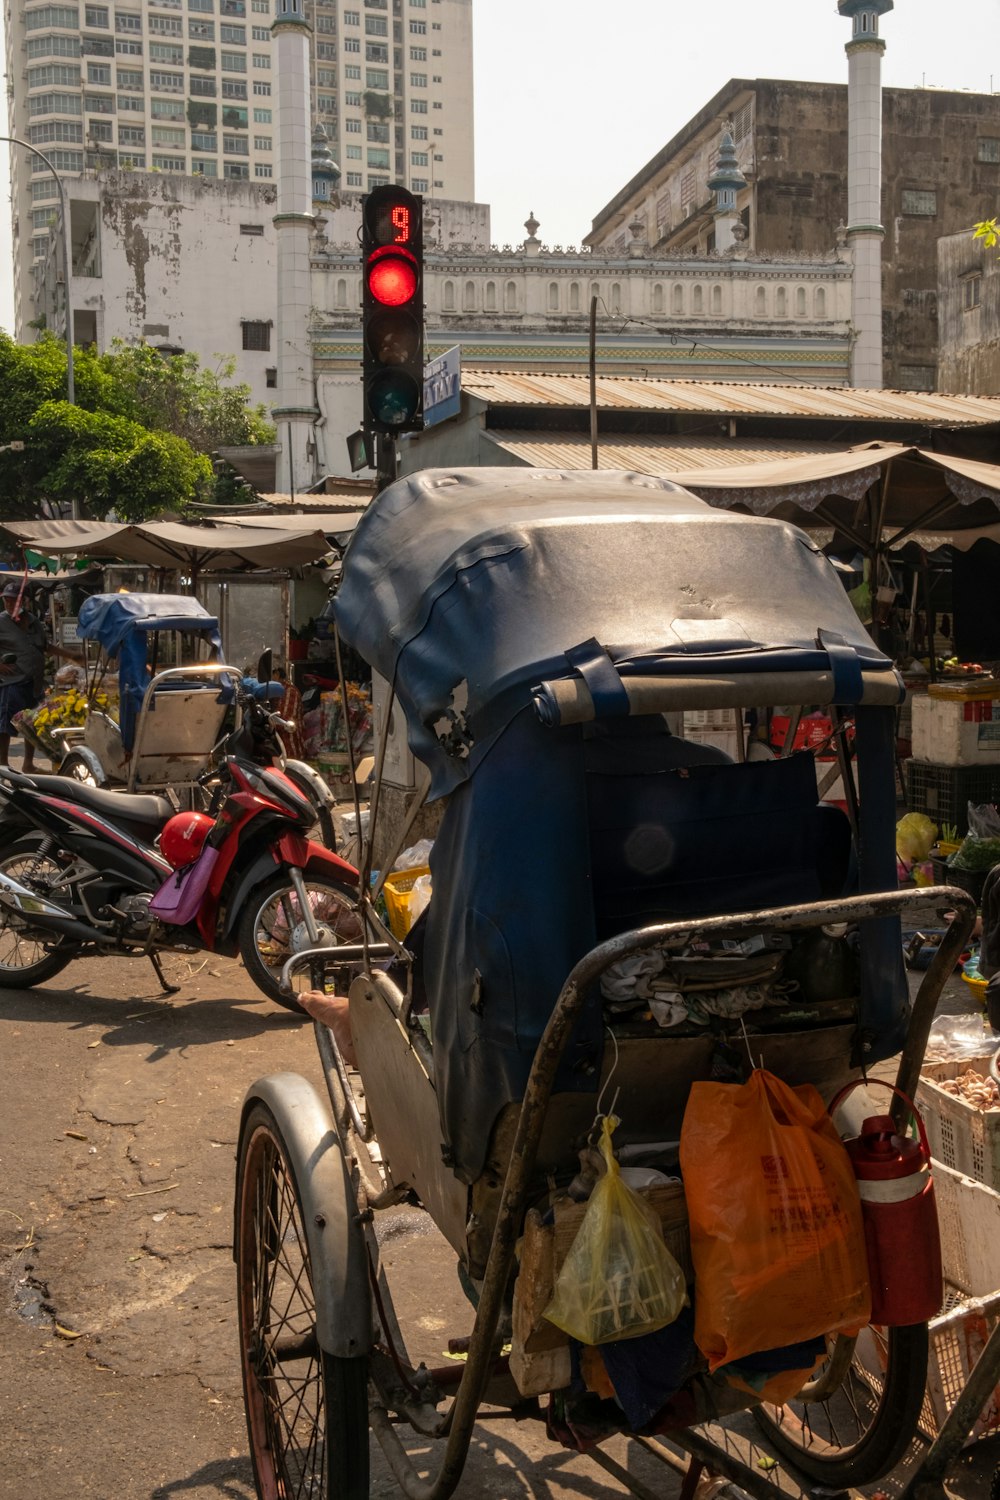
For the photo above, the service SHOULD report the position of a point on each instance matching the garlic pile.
(980, 1092)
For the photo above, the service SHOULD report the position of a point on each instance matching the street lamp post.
(67, 256)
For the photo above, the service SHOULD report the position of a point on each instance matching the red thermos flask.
(900, 1217)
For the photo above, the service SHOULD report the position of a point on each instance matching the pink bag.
(179, 897)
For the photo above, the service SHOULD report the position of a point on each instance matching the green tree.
(137, 438)
(988, 230)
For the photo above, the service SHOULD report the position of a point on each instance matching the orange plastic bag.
(776, 1233)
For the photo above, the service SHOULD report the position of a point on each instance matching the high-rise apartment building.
(190, 86)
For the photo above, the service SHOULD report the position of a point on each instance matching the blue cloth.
(14, 697)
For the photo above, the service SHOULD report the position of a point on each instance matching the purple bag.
(179, 897)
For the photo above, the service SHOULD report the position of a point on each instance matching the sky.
(573, 97)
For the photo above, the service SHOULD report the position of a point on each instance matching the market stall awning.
(336, 523)
(884, 491)
(167, 544)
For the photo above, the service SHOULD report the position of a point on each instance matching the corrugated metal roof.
(732, 398)
(660, 455)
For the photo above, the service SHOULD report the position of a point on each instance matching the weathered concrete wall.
(968, 316)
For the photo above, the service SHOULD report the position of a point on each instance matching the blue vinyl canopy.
(467, 588)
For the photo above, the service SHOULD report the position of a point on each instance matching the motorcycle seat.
(125, 807)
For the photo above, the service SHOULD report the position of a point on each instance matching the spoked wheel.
(28, 955)
(273, 927)
(856, 1418)
(307, 1412)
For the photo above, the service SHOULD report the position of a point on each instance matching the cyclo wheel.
(307, 1412)
(272, 929)
(27, 957)
(78, 767)
(859, 1430)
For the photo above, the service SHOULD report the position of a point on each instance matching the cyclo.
(542, 631)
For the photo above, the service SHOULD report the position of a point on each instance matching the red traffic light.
(392, 274)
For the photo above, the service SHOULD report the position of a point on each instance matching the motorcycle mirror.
(264, 665)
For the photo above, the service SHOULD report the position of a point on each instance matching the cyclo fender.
(337, 1252)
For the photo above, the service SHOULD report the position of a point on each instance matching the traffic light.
(393, 316)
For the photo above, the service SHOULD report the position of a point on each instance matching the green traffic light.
(393, 398)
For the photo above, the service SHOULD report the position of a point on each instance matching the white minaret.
(296, 410)
(864, 185)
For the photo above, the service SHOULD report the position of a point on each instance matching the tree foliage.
(988, 231)
(136, 440)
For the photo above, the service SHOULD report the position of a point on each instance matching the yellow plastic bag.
(777, 1238)
(619, 1279)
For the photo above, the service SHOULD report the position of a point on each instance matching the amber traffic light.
(393, 311)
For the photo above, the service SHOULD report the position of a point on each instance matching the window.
(204, 140)
(377, 157)
(352, 127)
(44, 189)
(56, 15)
(353, 153)
(255, 231)
(418, 80)
(99, 104)
(235, 145)
(418, 54)
(352, 100)
(56, 130)
(261, 33)
(96, 46)
(235, 34)
(377, 181)
(261, 7)
(166, 135)
(262, 117)
(352, 44)
(63, 161)
(261, 60)
(54, 104)
(167, 109)
(352, 71)
(328, 51)
(204, 87)
(95, 15)
(376, 26)
(236, 171)
(420, 184)
(201, 57)
(378, 133)
(262, 143)
(418, 28)
(56, 73)
(326, 78)
(922, 202)
(355, 179)
(166, 83)
(257, 336)
(376, 78)
(916, 377)
(99, 73)
(233, 62)
(972, 290)
(418, 106)
(352, 18)
(418, 132)
(271, 378)
(131, 135)
(233, 118)
(170, 163)
(204, 168)
(167, 25)
(419, 159)
(128, 49)
(262, 90)
(127, 22)
(322, 23)
(436, 78)
(989, 148)
(54, 46)
(233, 88)
(376, 52)
(206, 7)
(201, 31)
(163, 52)
(263, 169)
(326, 104)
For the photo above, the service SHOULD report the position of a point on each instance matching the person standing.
(23, 642)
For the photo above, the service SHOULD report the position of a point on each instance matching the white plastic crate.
(961, 1136)
(957, 1338)
(969, 1218)
(955, 732)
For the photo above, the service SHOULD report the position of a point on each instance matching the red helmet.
(183, 837)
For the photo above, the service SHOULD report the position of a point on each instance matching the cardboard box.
(956, 731)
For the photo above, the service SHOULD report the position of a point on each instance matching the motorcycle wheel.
(272, 930)
(28, 958)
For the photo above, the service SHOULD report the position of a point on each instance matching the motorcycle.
(80, 875)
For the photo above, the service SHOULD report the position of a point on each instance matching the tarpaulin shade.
(881, 492)
(167, 544)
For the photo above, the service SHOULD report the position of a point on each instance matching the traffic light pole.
(386, 464)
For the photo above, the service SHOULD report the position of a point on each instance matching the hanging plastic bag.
(776, 1233)
(619, 1279)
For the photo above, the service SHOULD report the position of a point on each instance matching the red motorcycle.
(80, 876)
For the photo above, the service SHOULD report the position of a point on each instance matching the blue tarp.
(121, 624)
